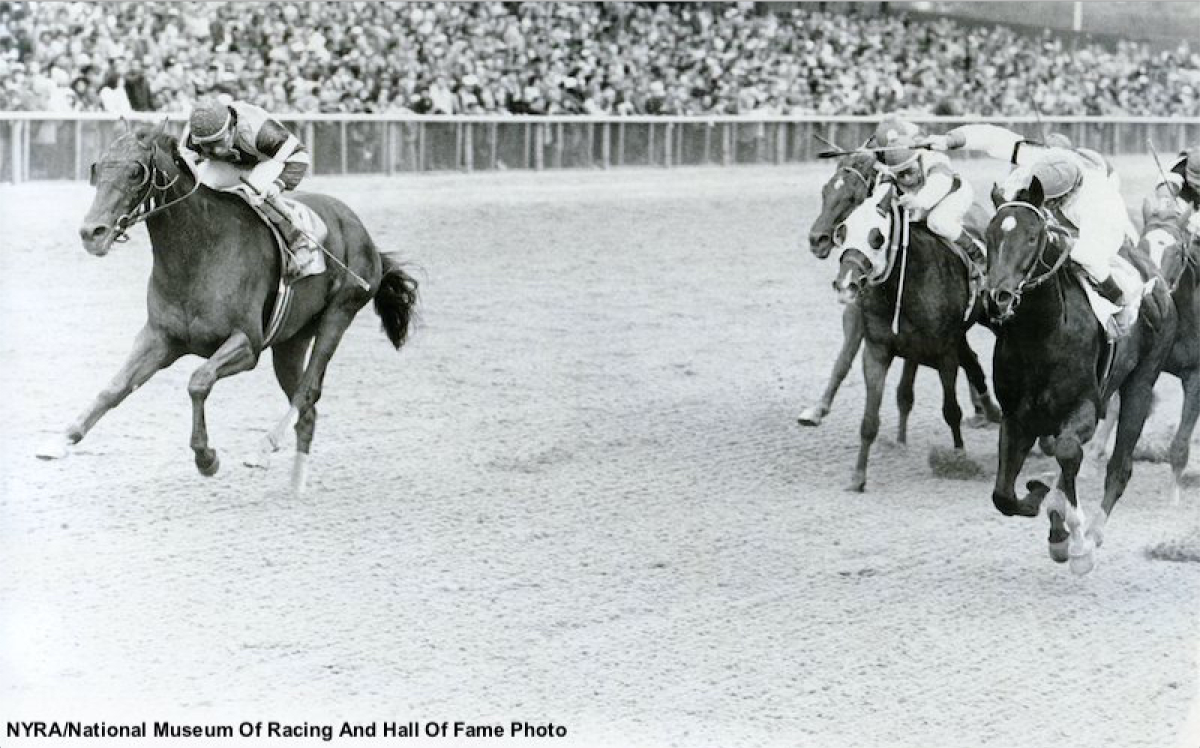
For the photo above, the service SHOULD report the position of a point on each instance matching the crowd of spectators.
(567, 57)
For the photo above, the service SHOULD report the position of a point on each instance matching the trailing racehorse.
(855, 179)
(1165, 239)
(214, 280)
(916, 304)
(1050, 370)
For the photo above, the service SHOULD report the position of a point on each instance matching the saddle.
(308, 223)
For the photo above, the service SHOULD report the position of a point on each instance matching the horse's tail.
(396, 301)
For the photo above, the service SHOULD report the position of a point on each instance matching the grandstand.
(595, 58)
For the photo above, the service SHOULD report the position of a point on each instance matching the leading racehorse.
(215, 276)
(1053, 376)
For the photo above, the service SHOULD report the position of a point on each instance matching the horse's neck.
(1042, 307)
(181, 235)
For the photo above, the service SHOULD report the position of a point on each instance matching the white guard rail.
(44, 145)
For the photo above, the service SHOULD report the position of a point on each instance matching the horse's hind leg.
(948, 373)
(876, 359)
(904, 398)
(1181, 444)
(852, 338)
(235, 355)
(986, 409)
(287, 358)
(151, 353)
(334, 321)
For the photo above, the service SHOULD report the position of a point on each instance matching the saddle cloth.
(307, 220)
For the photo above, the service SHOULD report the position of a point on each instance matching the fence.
(36, 145)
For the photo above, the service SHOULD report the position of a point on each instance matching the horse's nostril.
(93, 232)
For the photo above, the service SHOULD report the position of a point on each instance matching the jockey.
(924, 180)
(1184, 180)
(243, 149)
(1077, 192)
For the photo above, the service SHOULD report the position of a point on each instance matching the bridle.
(868, 183)
(1031, 278)
(153, 185)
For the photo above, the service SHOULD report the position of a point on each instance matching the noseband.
(1032, 279)
(153, 185)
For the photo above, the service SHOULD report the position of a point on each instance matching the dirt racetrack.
(579, 495)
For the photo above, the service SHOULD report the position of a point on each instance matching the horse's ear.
(1036, 195)
(997, 196)
(125, 122)
(158, 129)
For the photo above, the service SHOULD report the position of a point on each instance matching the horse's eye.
(134, 173)
(875, 238)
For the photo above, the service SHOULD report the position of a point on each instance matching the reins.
(1030, 280)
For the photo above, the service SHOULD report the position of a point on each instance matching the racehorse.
(1166, 240)
(215, 276)
(854, 180)
(916, 303)
(1053, 376)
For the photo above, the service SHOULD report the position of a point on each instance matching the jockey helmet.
(1192, 170)
(1058, 172)
(892, 130)
(899, 135)
(209, 122)
(1058, 140)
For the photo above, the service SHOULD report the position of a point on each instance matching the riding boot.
(299, 244)
(1111, 290)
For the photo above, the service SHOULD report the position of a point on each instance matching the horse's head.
(863, 239)
(1025, 248)
(853, 181)
(1165, 238)
(128, 174)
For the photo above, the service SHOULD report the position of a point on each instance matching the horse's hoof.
(811, 416)
(1083, 563)
(53, 449)
(1058, 551)
(208, 463)
(978, 421)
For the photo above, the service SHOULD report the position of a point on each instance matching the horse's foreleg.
(876, 359)
(151, 352)
(1014, 449)
(951, 412)
(986, 409)
(235, 355)
(1063, 504)
(852, 338)
(333, 325)
(1137, 397)
(905, 397)
(1096, 450)
(1181, 444)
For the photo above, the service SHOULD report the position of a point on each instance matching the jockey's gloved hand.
(272, 190)
(935, 142)
(1194, 224)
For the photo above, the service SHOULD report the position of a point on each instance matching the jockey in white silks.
(242, 149)
(924, 180)
(1076, 189)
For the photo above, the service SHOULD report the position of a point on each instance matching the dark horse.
(1049, 366)
(853, 181)
(1165, 239)
(214, 279)
(915, 308)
